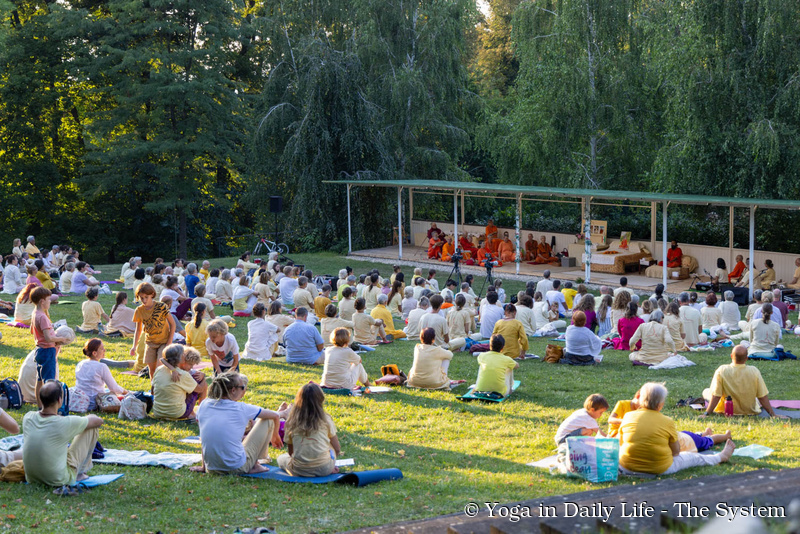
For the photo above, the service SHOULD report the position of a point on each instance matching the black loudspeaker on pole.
(276, 206)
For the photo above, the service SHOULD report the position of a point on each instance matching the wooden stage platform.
(418, 257)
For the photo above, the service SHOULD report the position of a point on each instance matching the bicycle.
(266, 246)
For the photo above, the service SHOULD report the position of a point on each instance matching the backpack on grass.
(9, 388)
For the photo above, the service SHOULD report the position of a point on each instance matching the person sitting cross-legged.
(496, 373)
(742, 383)
(343, 368)
(516, 340)
(58, 450)
(382, 312)
(176, 388)
(656, 341)
(223, 420)
(303, 341)
(431, 363)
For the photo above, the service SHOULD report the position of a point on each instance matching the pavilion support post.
(517, 256)
(349, 226)
(587, 237)
(730, 236)
(400, 223)
(664, 243)
(653, 225)
(462, 208)
(752, 247)
(455, 218)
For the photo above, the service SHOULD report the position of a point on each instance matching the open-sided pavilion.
(461, 191)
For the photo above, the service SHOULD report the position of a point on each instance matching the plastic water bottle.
(728, 406)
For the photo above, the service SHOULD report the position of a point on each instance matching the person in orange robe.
(531, 248)
(505, 250)
(545, 252)
(738, 270)
(435, 247)
(674, 255)
(448, 248)
(482, 252)
(491, 234)
(469, 249)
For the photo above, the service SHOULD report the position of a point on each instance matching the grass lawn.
(450, 452)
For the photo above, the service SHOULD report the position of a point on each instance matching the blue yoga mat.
(356, 478)
(470, 395)
(99, 480)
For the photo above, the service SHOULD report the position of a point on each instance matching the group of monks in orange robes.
(492, 248)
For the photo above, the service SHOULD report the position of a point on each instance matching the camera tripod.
(489, 278)
(456, 270)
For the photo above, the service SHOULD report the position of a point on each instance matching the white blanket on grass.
(172, 460)
(673, 362)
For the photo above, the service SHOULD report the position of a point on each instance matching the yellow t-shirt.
(492, 373)
(329, 324)
(302, 299)
(644, 438)
(311, 454)
(744, 385)
(362, 327)
(620, 409)
(155, 322)
(45, 279)
(92, 314)
(320, 303)
(381, 312)
(569, 295)
(514, 334)
(427, 371)
(169, 398)
(196, 336)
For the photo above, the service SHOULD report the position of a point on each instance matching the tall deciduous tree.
(167, 129)
(581, 113)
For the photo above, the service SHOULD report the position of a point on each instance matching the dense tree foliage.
(154, 126)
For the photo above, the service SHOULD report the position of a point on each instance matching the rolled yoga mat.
(356, 478)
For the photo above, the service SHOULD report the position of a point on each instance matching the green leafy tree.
(166, 133)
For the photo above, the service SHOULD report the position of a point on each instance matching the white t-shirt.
(287, 286)
(261, 336)
(490, 314)
(174, 294)
(577, 419)
(91, 377)
(557, 296)
(222, 425)
(211, 285)
(228, 346)
(544, 285)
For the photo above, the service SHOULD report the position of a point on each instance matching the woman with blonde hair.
(223, 420)
(343, 368)
(310, 436)
(618, 309)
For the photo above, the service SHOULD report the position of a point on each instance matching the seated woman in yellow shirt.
(382, 312)
(44, 276)
(649, 441)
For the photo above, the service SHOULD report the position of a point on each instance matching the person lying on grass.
(176, 387)
(310, 436)
(741, 382)
(224, 420)
(47, 435)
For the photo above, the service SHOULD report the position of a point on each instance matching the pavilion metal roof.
(607, 194)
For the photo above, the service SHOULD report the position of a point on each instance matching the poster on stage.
(599, 229)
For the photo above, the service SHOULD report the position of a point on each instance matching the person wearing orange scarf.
(545, 252)
(505, 250)
(448, 248)
(531, 248)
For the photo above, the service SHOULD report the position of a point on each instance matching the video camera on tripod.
(457, 256)
(489, 263)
